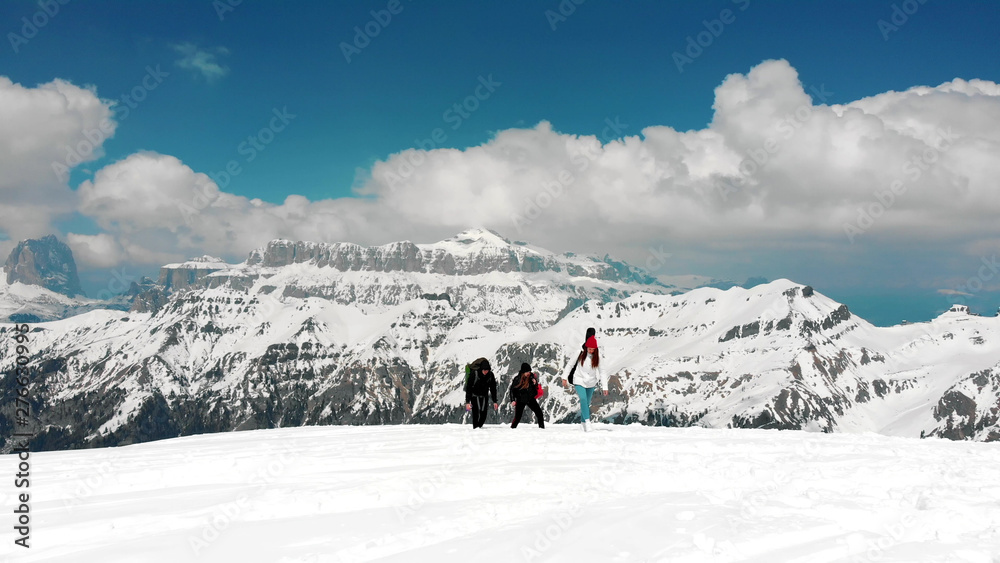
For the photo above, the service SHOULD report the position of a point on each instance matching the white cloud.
(201, 61)
(96, 251)
(159, 210)
(47, 131)
(954, 292)
(772, 179)
(770, 167)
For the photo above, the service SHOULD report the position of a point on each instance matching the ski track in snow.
(448, 493)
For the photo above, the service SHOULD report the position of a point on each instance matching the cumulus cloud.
(160, 210)
(772, 167)
(203, 62)
(47, 131)
(774, 175)
(96, 251)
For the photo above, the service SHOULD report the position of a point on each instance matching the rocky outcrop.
(970, 409)
(470, 253)
(46, 262)
(187, 275)
(395, 257)
(147, 296)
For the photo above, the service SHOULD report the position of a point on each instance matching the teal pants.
(585, 394)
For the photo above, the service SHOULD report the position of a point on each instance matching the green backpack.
(472, 374)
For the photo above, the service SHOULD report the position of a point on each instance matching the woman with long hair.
(585, 373)
(522, 394)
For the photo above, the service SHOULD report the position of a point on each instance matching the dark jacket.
(480, 385)
(523, 395)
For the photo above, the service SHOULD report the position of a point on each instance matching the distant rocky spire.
(46, 262)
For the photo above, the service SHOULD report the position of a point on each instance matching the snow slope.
(442, 493)
(37, 303)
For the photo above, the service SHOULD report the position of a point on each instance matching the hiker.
(523, 393)
(585, 372)
(480, 383)
(590, 332)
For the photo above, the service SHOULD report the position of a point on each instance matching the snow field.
(448, 493)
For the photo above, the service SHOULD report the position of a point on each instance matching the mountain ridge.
(253, 346)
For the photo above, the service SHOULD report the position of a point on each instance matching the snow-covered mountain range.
(308, 333)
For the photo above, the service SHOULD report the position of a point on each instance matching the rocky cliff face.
(45, 262)
(470, 253)
(41, 285)
(186, 275)
(147, 296)
(970, 409)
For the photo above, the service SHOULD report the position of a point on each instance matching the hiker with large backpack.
(525, 391)
(585, 374)
(480, 383)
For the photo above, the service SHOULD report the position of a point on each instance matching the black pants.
(532, 404)
(480, 408)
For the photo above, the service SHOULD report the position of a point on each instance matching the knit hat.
(485, 364)
(591, 342)
(525, 368)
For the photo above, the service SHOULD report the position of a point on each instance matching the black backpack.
(472, 374)
(576, 362)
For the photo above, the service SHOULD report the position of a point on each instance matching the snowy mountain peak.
(957, 310)
(473, 243)
(201, 263)
(474, 238)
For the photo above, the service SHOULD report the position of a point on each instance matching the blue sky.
(606, 62)
(607, 59)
